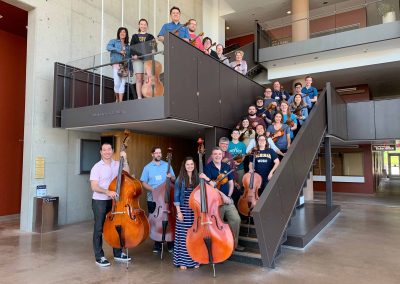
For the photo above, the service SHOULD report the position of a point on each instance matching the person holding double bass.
(153, 175)
(101, 176)
(228, 211)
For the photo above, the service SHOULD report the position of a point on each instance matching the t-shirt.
(198, 42)
(154, 175)
(310, 92)
(256, 121)
(104, 174)
(294, 119)
(306, 99)
(236, 150)
(282, 142)
(264, 162)
(267, 101)
(212, 172)
(183, 31)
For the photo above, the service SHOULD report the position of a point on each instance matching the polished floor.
(361, 245)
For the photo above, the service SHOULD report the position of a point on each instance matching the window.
(90, 155)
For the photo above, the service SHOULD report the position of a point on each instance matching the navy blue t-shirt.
(212, 172)
(264, 163)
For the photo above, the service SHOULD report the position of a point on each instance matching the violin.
(222, 179)
(209, 240)
(297, 110)
(162, 220)
(126, 225)
(278, 134)
(208, 49)
(193, 40)
(251, 183)
(289, 122)
(176, 31)
(152, 86)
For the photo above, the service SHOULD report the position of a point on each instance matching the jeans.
(100, 209)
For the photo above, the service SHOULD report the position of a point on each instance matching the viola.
(193, 40)
(279, 133)
(251, 183)
(126, 225)
(152, 85)
(162, 220)
(209, 240)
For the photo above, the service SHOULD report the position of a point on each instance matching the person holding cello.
(187, 180)
(266, 162)
(174, 26)
(153, 175)
(228, 211)
(101, 175)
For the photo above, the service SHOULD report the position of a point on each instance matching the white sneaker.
(122, 258)
(103, 262)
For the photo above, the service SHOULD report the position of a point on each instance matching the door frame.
(390, 164)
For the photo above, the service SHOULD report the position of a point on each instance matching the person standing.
(119, 51)
(207, 43)
(174, 26)
(220, 52)
(187, 180)
(239, 64)
(195, 39)
(141, 45)
(237, 148)
(101, 176)
(153, 175)
(311, 91)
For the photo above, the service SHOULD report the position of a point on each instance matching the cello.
(209, 240)
(251, 183)
(162, 220)
(152, 86)
(126, 225)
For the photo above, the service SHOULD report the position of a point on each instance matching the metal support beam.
(328, 171)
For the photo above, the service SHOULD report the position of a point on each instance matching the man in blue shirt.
(154, 174)
(174, 25)
(228, 211)
(310, 91)
(279, 94)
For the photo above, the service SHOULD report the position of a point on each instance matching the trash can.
(46, 214)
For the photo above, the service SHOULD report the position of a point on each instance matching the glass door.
(394, 167)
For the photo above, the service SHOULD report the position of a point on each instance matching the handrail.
(275, 206)
(119, 62)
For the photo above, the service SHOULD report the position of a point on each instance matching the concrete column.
(213, 24)
(300, 20)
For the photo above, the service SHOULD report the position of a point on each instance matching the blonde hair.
(239, 51)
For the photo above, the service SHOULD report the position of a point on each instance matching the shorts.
(138, 66)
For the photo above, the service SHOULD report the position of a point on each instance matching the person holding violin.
(253, 118)
(140, 46)
(153, 175)
(299, 108)
(239, 64)
(279, 94)
(119, 51)
(245, 130)
(194, 38)
(220, 52)
(207, 43)
(262, 111)
(101, 176)
(260, 130)
(289, 118)
(237, 148)
(310, 91)
(187, 180)
(280, 133)
(228, 211)
(227, 158)
(266, 162)
(297, 90)
(174, 26)
(268, 98)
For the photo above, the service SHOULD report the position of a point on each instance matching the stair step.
(247, 257)
(248, 230)
(249, 242)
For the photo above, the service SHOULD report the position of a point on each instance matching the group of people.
(262, 136)
(143, 43)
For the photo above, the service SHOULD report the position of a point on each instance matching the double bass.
(209, 240)
(152, 85)
(126, 225)
(251, 183)
(162, 220)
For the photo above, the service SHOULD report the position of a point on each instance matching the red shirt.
(198, 42)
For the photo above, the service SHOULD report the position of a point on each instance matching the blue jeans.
(100, 209)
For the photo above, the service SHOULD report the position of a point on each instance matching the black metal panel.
(337, 114)
(360, 120)
(229, 95)
(182, 80)
(208, 90)
(387, 119)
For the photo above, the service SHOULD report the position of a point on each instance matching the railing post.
(328, 171)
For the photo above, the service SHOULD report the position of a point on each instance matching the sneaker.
(103, 262)
(122, 258)
(170, 247)
(156, 248)
(239, 248)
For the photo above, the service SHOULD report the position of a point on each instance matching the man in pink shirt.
(101, 175)
(193, 36)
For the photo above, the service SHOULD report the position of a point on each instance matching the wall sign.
(384, 147)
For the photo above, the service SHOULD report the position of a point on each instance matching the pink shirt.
(104, 174)
(198, 42)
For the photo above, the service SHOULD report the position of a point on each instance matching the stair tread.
(247, 254)
(248, 239)
(248, 225)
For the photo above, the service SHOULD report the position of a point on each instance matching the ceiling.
(14, 19)
(240, 15)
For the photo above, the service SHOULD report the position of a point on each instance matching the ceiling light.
(325, 2)
(289, 12)
(227, 27)
(1, 16)
(316, 57)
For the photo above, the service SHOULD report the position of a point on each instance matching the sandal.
(182, 267)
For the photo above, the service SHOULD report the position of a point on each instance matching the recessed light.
(325, 2)
(289, 12)
(227, 27)
(316, 57)
(1, 16)
(274, 65)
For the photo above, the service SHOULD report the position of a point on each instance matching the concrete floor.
(360, 246)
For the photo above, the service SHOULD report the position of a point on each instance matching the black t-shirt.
(264, 162)
(142, 37)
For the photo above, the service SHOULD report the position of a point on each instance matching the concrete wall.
(64, 31)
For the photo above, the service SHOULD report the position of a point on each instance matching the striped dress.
(181, 256)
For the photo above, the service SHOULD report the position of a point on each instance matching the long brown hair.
(184, 177)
